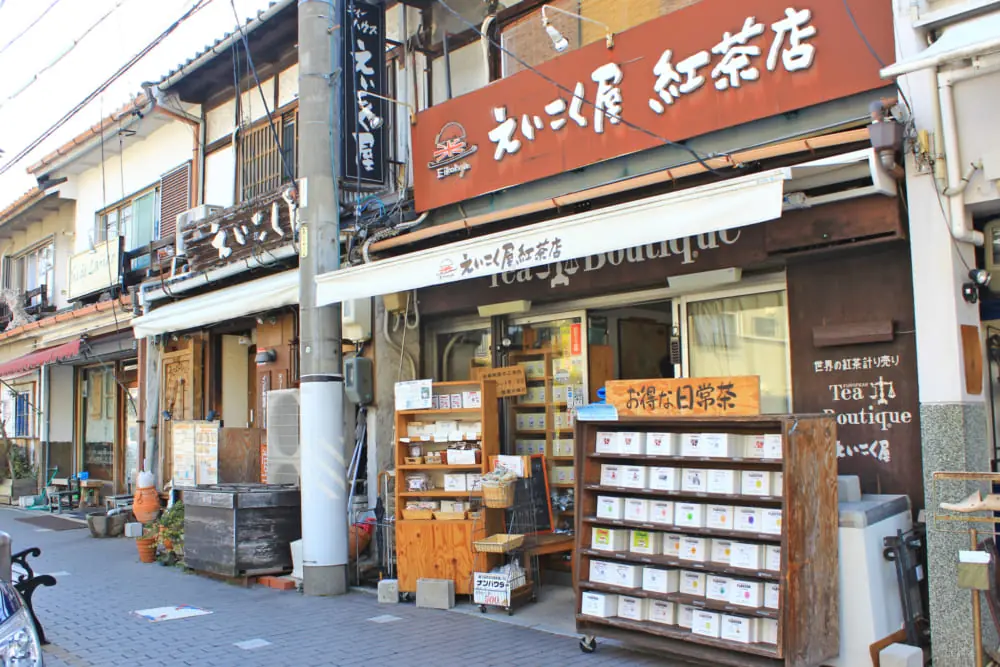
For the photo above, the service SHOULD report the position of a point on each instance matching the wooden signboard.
(686, 397)
(510, 379)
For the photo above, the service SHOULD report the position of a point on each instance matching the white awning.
(255, 296)
(746, 200)
(968, 39)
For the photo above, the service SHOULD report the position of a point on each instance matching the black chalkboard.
(532, 509)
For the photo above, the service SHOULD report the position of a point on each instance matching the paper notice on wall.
(206, 452)
(182, 443)
(415, 395)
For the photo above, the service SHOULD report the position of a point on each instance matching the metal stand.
(903, 550)
(28, 582)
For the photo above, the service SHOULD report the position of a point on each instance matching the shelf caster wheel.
(482, 609)
(510, 612)
(588, 644)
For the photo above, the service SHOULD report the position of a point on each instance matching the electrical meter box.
(358, 381)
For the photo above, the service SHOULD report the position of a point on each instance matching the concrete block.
(133, 529)
(435, 593)
(901, 655)
(388, 591)
(848, 489)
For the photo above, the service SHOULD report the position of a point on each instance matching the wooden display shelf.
(471, 467)
(441, 411)
(561, 458)
(681, 598)
(808, 631)
(439, 494)
(563, 485)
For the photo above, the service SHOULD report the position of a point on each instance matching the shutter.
(175, 198)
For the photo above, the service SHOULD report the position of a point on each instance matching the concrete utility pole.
(323, 462)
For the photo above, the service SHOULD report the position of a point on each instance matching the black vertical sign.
(365, 116)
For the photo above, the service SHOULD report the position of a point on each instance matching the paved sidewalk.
(88, 618)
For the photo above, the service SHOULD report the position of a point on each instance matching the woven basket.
(499, 544)
(418, 514)
(498, 496)
(449, 516)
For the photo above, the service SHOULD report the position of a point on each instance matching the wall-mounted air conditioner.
(188, 218)
(283, 462)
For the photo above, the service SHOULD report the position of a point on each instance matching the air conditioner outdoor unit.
(188, 218)
(283, 463)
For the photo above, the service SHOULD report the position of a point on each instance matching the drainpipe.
(43, 391)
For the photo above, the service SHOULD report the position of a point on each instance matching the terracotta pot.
(358, 540)
(147, 549)
(146, 504)
(167, 544)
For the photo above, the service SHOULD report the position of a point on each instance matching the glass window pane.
(744, 335)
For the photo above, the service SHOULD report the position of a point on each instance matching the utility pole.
(323, 461)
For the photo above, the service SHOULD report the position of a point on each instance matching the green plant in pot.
(171, 534)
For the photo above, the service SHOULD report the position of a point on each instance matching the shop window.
(22, 414)
(743, 335)
(99, 412)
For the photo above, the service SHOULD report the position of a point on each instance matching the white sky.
(123, 34)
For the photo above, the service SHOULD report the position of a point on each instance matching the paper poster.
(415, 395)
(182, 442)
(206, 452)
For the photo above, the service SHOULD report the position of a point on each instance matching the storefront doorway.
(98, 409)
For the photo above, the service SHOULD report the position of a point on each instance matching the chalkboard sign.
(532, 509)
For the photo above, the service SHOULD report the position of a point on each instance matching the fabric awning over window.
(38, 358)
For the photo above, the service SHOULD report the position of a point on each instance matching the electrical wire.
(29, 27)
(695, 154)
(198, 5)
(871, 49)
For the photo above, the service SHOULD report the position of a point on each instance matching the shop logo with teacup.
(451, 147)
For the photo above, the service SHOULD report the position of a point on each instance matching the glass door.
(98, 410)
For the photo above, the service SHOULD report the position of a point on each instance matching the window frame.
(15, 270)
(100, 231)
(249, 166)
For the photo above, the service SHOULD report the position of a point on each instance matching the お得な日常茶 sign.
(705, 67)
(686, 397)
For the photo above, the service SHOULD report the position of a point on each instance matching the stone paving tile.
(89, 621)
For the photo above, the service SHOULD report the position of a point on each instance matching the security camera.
(980, 277)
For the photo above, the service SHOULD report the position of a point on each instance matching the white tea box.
(691, 445)
(662, 444)
(718, 588)
(772, 596)
(747, 519)
(694, 480)
(718, 445)
(456, 401)
(632, 443)
(637, 509)
(777, 483)
(747, 593)
(661, 512)
(689, 515)
(770, 521)
(645, 542)
(609, 507)
(609, 539)
(722, 551)
(632, 608)
(719, 517)
(473, 481)
(756, 483)
(634, 477)
(656, 580)
(693, 583)
(753, 447)
(602, 572)
(665, 479)
(627, 576)
(663, 612)
(672, 544)
(772, 558)
(745, 556)
(444, 402)
(454, 482)
(767, 631)
(608, 443)
(772, 446)
(685, 615)
(693, 549)
(564, 474)
(603, 605)
(723, 482)
(611, 474)
(706, 623)
(739, 629)
(472, 399)
(436, 402)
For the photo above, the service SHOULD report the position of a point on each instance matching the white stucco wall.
(61, 403)
(468, 72)
(220, 177)
(288, 86)
(220, 120)
(975, 107)
(57, 226)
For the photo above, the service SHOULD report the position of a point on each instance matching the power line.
(199, 4)
(30, 26)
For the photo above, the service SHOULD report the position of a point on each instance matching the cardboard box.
(777, 483)
(772, 596)
(662, 612)
(693, 583)
(756, 483)
(646, 542)
(747, 520)
(454, 482)
(608, 443)
(772, 446)
(533, 369)
(694, 480)
(767, 631)
(435, 402)
(609, 539)
(706, 623)
(739, 629)
(634, 609)
(602, 572)
(685, 615)
(473, 482)
(656, 580)
(689, 515)
(747, 593)
(564, 474)
(745, 556)
(718, 445)
(772, 558)
(456, 401)
(719, 517)
(472, 399)
(661, 512)
(637, 509)
(558, 393)
(562, 447)
(602, 605)
(633, 443)
(721, 551)
(610, 507)
(611, 474)
(627, 576)
(770, 522)
(461, 457)
(723, 482)
(635, 477)
(665, 479)
(672, 544)
(691, 445)
(662, 444)
(444, 401)
(753, 447)
(693, 549)
(718, 588)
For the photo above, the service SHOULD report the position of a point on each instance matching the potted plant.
(171, 533)
(146, 544)
(22, 476)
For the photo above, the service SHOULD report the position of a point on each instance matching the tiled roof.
(21, 203)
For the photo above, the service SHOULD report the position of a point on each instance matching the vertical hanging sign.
(364, 75)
